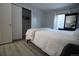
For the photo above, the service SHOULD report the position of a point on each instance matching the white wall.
(37, 18)
(49, 19)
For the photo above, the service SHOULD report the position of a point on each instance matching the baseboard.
(5, 43)
(18, 39)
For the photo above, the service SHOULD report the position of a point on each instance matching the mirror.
(70, 21)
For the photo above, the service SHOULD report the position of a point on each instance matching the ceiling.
(47, 6)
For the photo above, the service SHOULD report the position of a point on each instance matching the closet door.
(16, 22)
(5, 23)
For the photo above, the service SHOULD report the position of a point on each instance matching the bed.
(53, 41)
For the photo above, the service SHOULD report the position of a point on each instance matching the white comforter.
(30, 34)
(52, 42)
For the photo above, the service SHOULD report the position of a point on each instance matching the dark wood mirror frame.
(72, 14)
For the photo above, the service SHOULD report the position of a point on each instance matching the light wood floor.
(20, 48)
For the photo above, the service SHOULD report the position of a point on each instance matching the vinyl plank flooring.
(24, 49)
(20, 48)
(14, 50)
(31, 49)
(2, 51)
(7, 50)
(35, 49)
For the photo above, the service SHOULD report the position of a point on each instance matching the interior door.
(16, 22)
(5, 23)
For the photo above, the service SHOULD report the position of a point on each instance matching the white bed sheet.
(52, 42)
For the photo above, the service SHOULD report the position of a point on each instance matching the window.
(59, 21)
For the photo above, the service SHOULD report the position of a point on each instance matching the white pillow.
(76, 32)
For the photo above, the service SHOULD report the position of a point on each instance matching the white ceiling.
(47, 6)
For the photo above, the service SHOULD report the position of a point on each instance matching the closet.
(14, 22)
(5, 23)
(21, 21)
(26, 21)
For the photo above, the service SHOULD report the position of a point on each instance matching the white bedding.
(31, 32)
(52, 42)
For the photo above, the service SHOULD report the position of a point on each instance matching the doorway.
(26, 21)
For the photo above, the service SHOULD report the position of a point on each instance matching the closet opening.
(26, 21)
